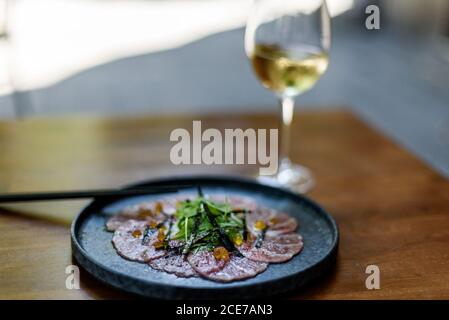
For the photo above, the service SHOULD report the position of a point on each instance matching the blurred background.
(152, 57)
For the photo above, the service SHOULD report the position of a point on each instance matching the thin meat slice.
(236, 202)
(154, 212)
(128, 241)
(174, 263)
(151, 212)
(277, 223)
(237, 268)
(273, 249)
(286, 239)
(204, 262)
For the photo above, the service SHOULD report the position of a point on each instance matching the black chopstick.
(84, 194)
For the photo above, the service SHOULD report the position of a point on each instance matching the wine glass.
(287, 42)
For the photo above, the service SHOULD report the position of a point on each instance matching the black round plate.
(92, 247)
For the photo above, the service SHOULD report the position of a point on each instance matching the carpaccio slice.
(277, 222)
(273, 249)
(236, 202)
(127, 240)
(174, 263)
(237, 268)
(204, 262)
(150, 212)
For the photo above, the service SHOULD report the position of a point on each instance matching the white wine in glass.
(287, 42)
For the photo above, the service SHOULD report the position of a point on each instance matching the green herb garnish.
(204, 224)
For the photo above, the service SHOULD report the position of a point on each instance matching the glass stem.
(287, 105)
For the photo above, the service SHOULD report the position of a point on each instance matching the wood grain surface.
(392, 210)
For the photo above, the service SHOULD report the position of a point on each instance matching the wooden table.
(392, 210)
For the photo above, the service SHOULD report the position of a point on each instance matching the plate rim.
(79, 252)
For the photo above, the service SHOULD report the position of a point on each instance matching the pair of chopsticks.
(85, 194)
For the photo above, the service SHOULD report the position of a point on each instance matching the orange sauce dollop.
(136, 233)
(260, 225)
(220, 253)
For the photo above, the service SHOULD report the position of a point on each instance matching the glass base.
(291, 176)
